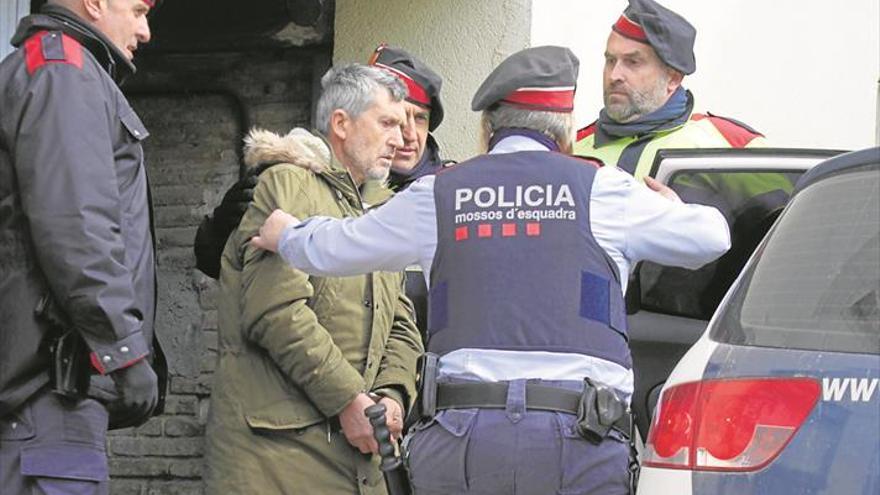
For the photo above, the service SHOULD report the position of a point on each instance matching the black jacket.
(75, 215)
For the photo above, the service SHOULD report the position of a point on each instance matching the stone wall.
(197, 108)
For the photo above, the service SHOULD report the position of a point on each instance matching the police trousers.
(53, 445)
(513, 451)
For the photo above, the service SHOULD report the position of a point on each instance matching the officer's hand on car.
(138, 388)
(665, 191)
(356, 426)
(270, 232)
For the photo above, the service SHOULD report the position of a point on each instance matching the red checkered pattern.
(487, 230)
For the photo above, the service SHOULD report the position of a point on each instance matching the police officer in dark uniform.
(419, 156)
(77, 276)
(527, 252)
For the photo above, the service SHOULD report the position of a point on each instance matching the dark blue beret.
(540, 78)
(422, 82)
(669, 34)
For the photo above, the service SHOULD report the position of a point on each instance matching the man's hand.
(393, 417)
(666, 192)
(270, 231)
(356, 427)
(138, 387)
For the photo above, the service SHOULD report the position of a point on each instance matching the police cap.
(669, 34)
(423, 83)
(540, 78)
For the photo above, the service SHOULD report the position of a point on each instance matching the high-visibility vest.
(700, 131)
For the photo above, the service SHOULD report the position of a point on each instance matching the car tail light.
(728, 425)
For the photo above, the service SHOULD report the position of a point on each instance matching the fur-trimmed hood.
(298, 147)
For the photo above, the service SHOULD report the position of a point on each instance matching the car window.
(750, 201)
(816, 283)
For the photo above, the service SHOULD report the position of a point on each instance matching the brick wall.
(197, 107)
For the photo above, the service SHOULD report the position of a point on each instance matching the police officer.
(419, 155)
(77, 276)
(527, 251)
(649, 51)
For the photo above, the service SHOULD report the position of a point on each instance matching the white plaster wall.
(463, 40)
(804, 72)
(10, 13)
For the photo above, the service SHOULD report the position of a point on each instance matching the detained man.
(300, 357)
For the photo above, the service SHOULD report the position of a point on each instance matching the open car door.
(669, 308)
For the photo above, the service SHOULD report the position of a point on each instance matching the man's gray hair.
(555, 125)
(352, 88)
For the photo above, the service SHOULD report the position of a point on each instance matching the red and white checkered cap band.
(626, 27)
(417, 93)
(559, 99)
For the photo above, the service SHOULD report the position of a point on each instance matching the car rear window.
(816, 283)
(750, 201)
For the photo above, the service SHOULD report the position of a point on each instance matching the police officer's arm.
(665, 231)
(397, 234)
(397, 369)
(275, 314)
(64, 161)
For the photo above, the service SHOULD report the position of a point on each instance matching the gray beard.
(377, 173)
(639, 104)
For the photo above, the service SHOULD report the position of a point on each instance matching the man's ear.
(675, 79)
(340, 123)
(94, 8)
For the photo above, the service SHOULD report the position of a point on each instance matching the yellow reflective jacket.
(700, 131)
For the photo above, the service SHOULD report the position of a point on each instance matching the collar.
(56, 18)
(511, 140)
(674, 113)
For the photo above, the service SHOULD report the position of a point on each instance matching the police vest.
(636, 154)
(516, 265)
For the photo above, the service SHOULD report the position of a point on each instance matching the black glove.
(227, 215)
(215, 229)
(138, 387)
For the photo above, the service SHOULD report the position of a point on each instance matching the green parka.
(294, 350)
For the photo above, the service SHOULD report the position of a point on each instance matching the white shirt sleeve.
(391, 237)
(633, 223)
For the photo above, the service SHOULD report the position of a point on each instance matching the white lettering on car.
(860, 389)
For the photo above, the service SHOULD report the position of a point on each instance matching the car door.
(669, 308)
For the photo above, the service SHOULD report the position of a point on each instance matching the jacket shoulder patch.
(738, 134)
(47, 47)
(586, 131)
